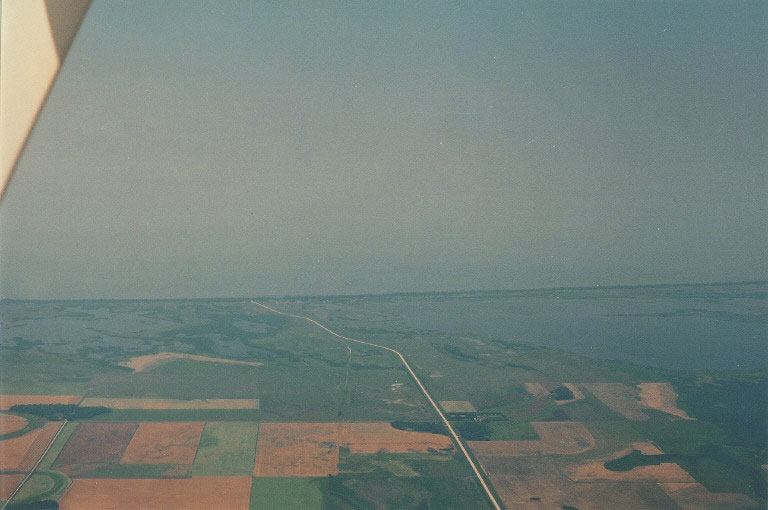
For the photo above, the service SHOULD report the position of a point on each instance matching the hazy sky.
(194, 149)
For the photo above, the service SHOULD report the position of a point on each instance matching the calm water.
(688, 327)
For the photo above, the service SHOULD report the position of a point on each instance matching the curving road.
(455, 436)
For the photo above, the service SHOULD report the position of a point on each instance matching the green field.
(43, 485)
(226, 449)
(286, 494)
(57, 446)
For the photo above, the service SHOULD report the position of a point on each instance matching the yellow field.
(312, 449)
(219, 492)
(164, 443)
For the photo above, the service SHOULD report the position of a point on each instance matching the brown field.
(139, 363)
(557, 438)
(312, 449)
(516, 492)
(22, 453)
(200, 492)
(297, 449)
(457, 406)
(577, 394)
(662, 397)
(694, 496)
(381, 436)
(95, 443)
(169, 403)
(11, 423)
(6, 401)
(164, 443)
(519, 479)
(536, 389)
(8, 484)
(596, 471)
(620, 398)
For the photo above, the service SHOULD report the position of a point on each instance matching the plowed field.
(557, 438)
(619, 397)
(22, 453)
(380, 436)
(8, 484)
(297, 449)
(164, 443)
(694, 496)
(312, 449)
(536, 483)
(10, 423)
(96, 443)
(201, 492)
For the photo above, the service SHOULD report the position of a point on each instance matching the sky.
(229, 149)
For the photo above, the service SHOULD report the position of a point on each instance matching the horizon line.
(405, 293)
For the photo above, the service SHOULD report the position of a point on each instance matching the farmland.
(303, 422)
(227, 448)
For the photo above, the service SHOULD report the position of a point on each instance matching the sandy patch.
(11, 423)
(457, 406)
(557, 438)
(536, 389)
(662, 397)
(139, 363)
(220, 492)
(596, 471)
(694, 496)
(169, 403)
(618, 397)
(164, 443)
(7, 401)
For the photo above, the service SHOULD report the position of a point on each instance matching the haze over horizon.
(221, 149)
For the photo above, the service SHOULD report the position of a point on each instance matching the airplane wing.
(35, 36)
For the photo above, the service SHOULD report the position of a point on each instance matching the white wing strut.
(35, 36)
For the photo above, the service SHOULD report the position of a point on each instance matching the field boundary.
(421, 386)
(31, 472)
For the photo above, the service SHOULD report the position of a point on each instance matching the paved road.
(29, 475)
(456, 438)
